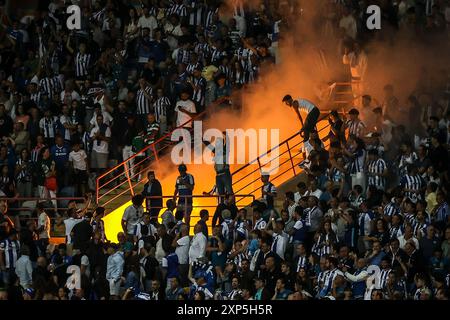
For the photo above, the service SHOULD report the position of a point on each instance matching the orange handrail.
(150, 145)
(290, 159)
(23, 199)
(127, 168)
(203, 205)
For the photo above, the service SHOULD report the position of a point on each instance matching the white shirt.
(172, 32)
(73, 96)
(182, 117)
(85, 263)
(78, 159)
(159, 252)
(24, 271)
(305, 105)
(198, 247)
(317, 193)
(104, 146)
(148, 22)
(298, 196)
(44, 221)
(107, 26)
(132, 216)
(358, 63)
(402, 242)
(101, 101)
(107, 118)
(182, 251)
(70, 223)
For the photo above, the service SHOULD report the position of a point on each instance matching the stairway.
(246, 178)
(343, 96)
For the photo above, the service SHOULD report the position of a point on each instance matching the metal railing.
(125, 173)
(339, 95)
(288, 155)
(214, 200)
(16, 204)
(121, 180)
(25, 213)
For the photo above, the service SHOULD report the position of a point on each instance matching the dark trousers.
(309, 240)
(310, 122)
(183, 270)
(224, 183)
(6, 275)
(42, 245)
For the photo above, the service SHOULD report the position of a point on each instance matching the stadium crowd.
(369, 221)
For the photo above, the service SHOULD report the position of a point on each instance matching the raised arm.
(360, 277)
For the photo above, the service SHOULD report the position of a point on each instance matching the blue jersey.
(60, 155)
(184, 190)
(172, 265)
(207, 272)
(17, 35)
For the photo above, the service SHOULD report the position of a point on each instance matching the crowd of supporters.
(368, 221)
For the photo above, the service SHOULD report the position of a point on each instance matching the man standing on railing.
(183, 188)
(307, 106)
(153, 193)
(221, 166)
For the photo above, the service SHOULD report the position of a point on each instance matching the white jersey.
(305, 105)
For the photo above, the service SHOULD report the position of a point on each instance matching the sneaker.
(304, 164)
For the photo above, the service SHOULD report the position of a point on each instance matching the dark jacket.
(153, 189)
(26, 237)
(97, 257)
(167, 243)
(246, 279)
(82, 233)
(271, 278)
(204, 228)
